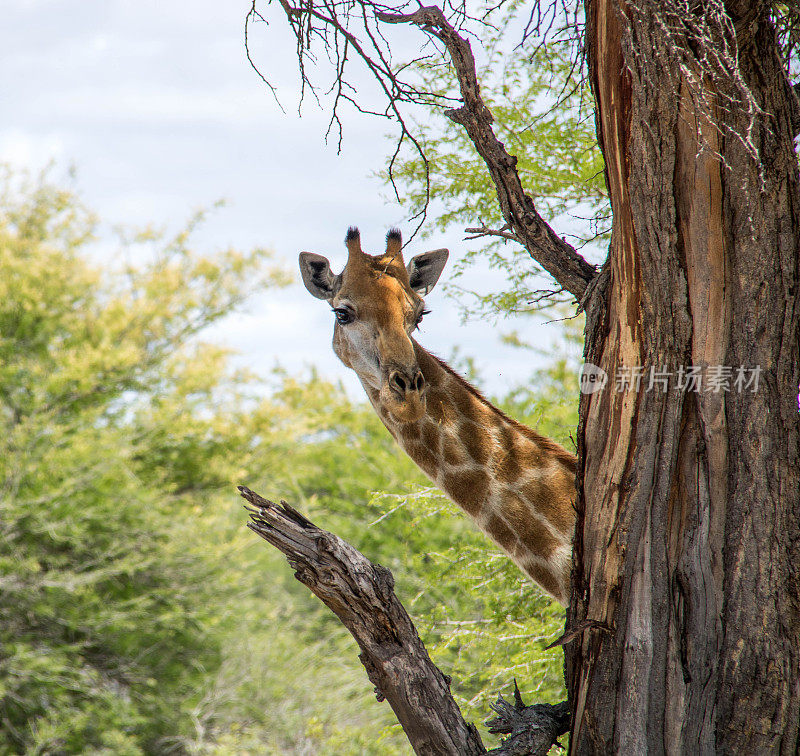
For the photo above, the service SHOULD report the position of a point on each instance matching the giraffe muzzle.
(403, 393)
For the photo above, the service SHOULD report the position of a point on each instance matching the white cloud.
(161, 106)
(23, 149)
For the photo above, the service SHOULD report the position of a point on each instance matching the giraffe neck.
(516, 485)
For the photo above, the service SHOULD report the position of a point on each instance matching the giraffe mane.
(562, 454)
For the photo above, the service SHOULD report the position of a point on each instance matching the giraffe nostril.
(398, 381)
(406, 382)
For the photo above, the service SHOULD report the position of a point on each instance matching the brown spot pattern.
(498, 528)
(508, 439)
(549, 501)
(531, 531)
(420, 454)
(440, 408)
(508, 468)
(468, 408)
(452, 452)
(545, 577)
(477, 442)
(468, 489)
(430, 437)
(409, 431)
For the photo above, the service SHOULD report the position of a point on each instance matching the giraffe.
(517, 485)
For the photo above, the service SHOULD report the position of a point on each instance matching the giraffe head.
(378, 303)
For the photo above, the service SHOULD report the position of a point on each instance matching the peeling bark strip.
(555, 255)
(361, 594)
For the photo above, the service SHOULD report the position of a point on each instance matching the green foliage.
(106, 618)
(543, 113)
(137, 614)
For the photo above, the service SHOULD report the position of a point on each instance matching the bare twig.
(589, 624)
(254, 15)
(483, 230)
(556, 256)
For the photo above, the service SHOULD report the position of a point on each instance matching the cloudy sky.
(157, 108)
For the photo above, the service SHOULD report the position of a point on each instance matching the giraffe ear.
(424, 270)
(318, 277)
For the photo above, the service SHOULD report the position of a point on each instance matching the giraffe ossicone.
(517, 485)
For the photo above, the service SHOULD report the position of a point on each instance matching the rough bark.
(361, 594)
(689, 516)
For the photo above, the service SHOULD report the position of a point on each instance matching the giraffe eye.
(343, 315)
(420, 316)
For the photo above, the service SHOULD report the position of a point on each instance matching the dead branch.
(361, 594)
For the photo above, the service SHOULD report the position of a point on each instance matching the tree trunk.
(688, 536)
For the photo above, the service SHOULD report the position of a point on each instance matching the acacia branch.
(556, 256)
(361, 594)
